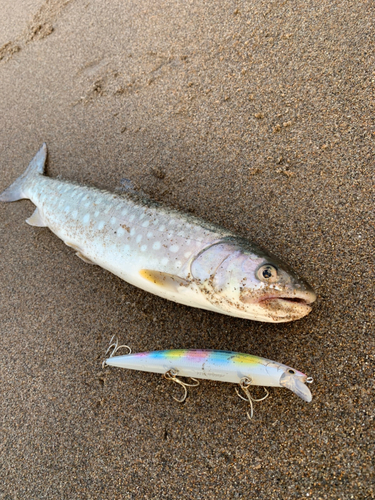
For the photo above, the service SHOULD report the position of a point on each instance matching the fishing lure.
(245, 370)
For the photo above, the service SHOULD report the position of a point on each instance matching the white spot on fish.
(178, 264)
(138, 239)
(86, 218)
(171, 222)
(162, 228)
(107, 209)
(187, 255)
(146, 223)
(174, 248)
(113, 221)
(143, 248)
(132, 231)
(67, 209)
(164, 261)
(181, 233)
(88, 204)
(150, 235)
(155, 222)
(74, 214)
(156, 245)
(125, 211)
(101, 225)
(126, 248)
(132, 217)
(120, 231)
(96, 214)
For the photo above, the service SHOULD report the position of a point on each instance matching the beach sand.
(255, 115)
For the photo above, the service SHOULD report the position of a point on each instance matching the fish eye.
(267, 273)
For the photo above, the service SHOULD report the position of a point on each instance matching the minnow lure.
(245, 370)
(168, 253)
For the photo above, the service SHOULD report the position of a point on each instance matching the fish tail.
(17, 190)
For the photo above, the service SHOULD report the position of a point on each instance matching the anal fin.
(36, 219)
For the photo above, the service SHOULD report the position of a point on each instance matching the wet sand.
(258, 116)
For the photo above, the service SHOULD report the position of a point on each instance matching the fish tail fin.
(16, 191)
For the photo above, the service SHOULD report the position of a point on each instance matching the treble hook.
(113, 344)
(172, 375)
(244, 384)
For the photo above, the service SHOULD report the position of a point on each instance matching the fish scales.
(117, 232)
(171, 254)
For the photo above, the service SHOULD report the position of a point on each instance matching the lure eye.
(267, 273)
(291, 371)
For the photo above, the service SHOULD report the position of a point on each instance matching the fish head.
(296, 381)
(243, 280)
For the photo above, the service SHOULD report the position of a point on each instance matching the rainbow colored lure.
(226, 366)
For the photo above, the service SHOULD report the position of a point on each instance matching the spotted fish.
(174, 255)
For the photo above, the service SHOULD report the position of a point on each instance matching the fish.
(246, 370)
(161, 250)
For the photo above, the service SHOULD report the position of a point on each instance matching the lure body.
(224, 366)
(165, 252)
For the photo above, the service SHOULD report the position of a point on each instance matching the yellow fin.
(164, 280)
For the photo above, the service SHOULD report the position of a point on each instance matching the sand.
(255, 115)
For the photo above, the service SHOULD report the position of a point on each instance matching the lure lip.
(295, 381)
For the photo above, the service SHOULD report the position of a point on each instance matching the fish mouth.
(292, 300)
(290, 308)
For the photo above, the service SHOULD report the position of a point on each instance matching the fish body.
(224, 366)
(173, 255)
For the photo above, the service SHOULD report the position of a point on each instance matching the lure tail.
(17, 190)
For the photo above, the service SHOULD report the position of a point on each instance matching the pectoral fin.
(36, 219)
(164, 280)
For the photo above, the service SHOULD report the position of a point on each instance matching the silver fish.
(168, 253)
